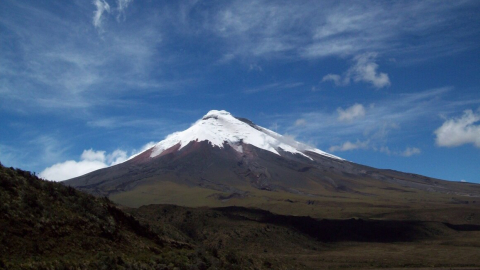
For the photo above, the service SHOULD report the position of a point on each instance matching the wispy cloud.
(366, 145)
(459, 131)
(348, 146)
(337, 79)
(101, 7)
(408, 152)
(34, 152)
(122, 5)
(273, 87)
(300, 122)
(122, 122)
(356, 111)
(321, 29)
(363, 70)
(61, 64)
(385, 122)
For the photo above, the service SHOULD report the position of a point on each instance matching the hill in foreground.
(45, 225)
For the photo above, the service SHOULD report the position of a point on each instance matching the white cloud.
(410, 151)
(62, 60)
(300, 122)
(391, 120)
(339, 28)
(459, 131)
(91, 155)
(347, 146)
(385, 149)
(90, 160)
(118, 156)
(69, 169)
(255, 67)
(102, 6)
(337, 79)
(363, 70)
(273, 87)
(121, 6)
(354, 112)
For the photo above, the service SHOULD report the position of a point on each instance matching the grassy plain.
(421, 230)
(289, 242)
(386, 204)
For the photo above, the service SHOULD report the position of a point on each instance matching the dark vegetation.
(245, 234)
(46, 225)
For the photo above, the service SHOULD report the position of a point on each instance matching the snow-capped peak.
(220, 127)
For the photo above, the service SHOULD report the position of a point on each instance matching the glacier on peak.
(219, 127)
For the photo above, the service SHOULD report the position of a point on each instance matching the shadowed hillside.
(241, 234)
(46, 225)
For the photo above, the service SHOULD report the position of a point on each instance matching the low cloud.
(459, 131)
(348, 146)
(118, 156)
(354, 112)
(90, 160)
(363, 70)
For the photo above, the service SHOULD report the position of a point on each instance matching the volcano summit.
(223, 160)
(220, 127)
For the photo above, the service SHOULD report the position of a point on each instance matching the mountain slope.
(45, 225)
(222, 160)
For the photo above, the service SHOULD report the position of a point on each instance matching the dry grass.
(386, 205)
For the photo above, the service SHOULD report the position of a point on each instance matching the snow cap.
(219, 127)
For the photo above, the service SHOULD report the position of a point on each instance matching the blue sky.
(389, 84)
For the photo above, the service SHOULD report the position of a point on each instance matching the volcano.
(225, 160)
